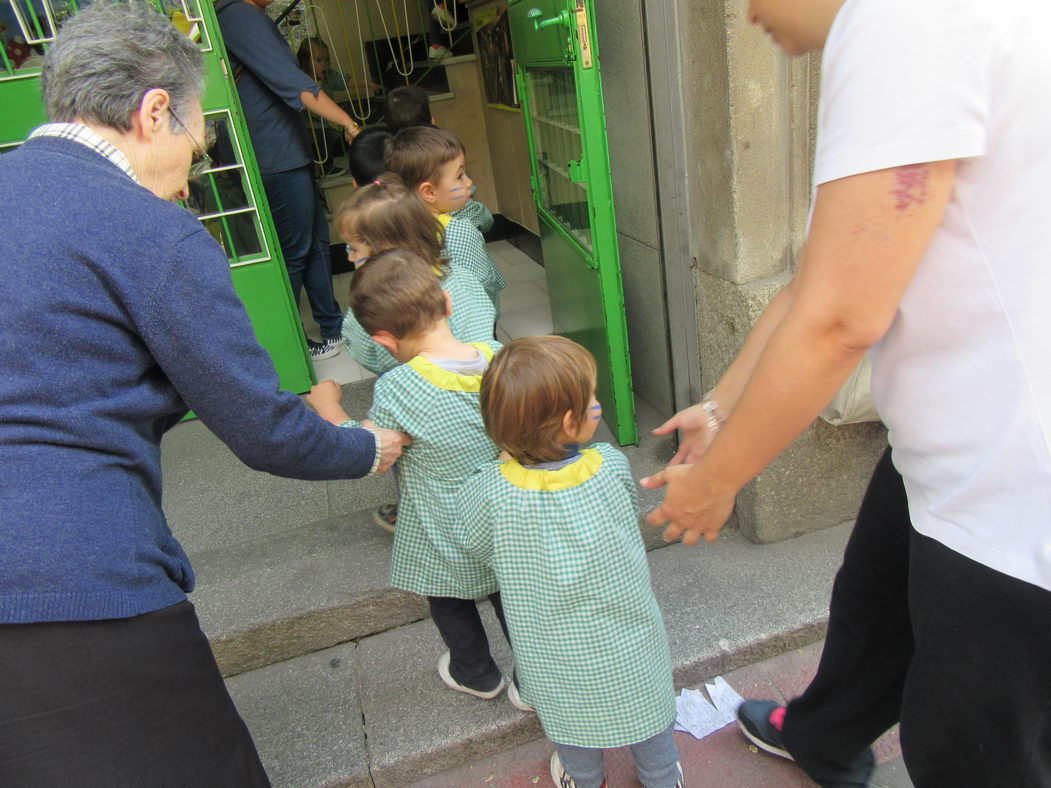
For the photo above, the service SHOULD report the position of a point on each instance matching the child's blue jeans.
(656, 760)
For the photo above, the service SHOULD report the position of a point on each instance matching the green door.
(561, 94)
(229, 199)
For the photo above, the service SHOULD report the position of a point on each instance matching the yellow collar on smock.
(444, 219)
(572, 475)
(451, 381)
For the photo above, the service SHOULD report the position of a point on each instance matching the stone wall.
(749, 116)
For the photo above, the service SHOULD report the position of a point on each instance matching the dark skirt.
(126, 702)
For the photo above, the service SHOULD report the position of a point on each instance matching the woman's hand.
(696, 436)
(351, 130)
(694, 506)
(391, 445)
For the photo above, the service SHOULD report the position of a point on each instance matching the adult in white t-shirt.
(930, 242)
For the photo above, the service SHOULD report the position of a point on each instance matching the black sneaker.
(386, 517)
(326, 348)
(761, 722)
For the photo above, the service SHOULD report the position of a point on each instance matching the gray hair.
(105, 59)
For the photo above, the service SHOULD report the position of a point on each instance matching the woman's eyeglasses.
(201, 162)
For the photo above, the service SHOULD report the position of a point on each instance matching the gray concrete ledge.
(276, 598)
(305, 717)
(725, 605)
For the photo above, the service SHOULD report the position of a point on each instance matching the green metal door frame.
(259, 276)
(583, 265)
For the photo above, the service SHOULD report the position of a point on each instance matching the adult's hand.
(351, 130)
(696, 437)
(391, 445)
(694, 505)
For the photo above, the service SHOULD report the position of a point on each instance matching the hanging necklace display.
(407, 65)
(365, 98)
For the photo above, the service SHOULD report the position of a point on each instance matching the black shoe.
(386, 517)
(326, 348)
(760, 721)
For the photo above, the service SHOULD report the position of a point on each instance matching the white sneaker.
(437, 52)
(445, 19)
(451, 683)
(516, 699)
(560, 776)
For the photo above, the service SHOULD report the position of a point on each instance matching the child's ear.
(355, 182)
(570, 424)
(388, 340)
(427, 192)
(448, 303)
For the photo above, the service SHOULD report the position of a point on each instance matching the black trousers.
(460, 625)
(123, 703)
(958, 653)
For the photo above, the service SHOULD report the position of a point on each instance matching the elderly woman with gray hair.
(105, 675)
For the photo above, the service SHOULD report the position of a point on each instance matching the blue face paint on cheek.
(596, 412)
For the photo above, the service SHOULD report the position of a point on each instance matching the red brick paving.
(722, 760)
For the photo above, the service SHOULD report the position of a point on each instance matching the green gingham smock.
(591, 652)
(472, 320)
(465, 248)
(478, 214)
(440, 410)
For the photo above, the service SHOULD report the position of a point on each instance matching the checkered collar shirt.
(85, 136)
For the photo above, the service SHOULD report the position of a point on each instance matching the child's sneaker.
(516, 699)
(761, 722)
(326, 348)
(436, 52)
(560, 776)
(451, 683)
(386, 517)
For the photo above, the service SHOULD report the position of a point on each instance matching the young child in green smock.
(431, 162)
(558, 525)
(386, 215)
(433, 396)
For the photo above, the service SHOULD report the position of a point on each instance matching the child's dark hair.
(527, 390)
(365, 155)
(386, 215)
(396, 291)
(418, 154)
(406, 106)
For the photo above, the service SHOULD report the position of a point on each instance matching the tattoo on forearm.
(910, 185)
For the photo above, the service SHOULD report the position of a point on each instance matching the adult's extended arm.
(198, 331)
(868, 235)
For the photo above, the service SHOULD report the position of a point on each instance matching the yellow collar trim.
(444, 219)
(572, 475)
(451, 381)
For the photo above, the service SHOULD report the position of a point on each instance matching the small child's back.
(439, 409)
(591, 651)
(465, 248)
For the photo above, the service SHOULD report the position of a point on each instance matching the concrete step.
(374, 712)
(273, 599)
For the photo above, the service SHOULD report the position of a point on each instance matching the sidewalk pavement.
(722, 760)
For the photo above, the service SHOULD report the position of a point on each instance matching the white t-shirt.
(963, 376)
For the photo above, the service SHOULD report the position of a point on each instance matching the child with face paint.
(385, 215)
(559, 526)
(431, 163)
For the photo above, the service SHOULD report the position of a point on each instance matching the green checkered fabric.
(465, 248)
(591, 652)
(473, 320)
(449, 443)
(477, 214)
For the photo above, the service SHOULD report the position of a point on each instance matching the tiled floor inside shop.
(523, 305)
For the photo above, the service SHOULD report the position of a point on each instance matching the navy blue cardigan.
(117, 314)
